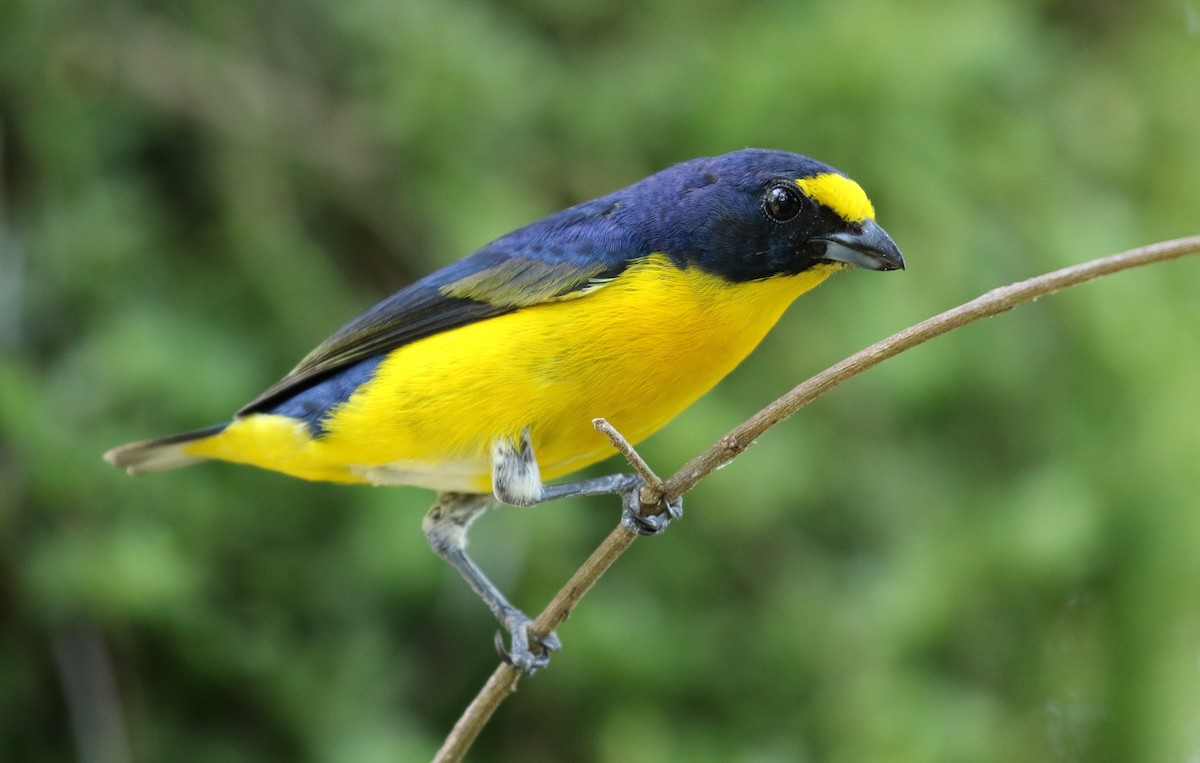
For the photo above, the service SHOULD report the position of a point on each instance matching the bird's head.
(758, 213)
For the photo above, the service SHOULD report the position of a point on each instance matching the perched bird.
(483, 378)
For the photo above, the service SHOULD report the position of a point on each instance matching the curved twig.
(504, 680)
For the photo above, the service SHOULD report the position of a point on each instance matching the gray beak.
(870, 248)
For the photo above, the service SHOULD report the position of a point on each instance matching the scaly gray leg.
(516, 480)
(445, 525)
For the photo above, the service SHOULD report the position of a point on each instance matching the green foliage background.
(986, 550)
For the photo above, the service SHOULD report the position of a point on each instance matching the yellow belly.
(636, 352)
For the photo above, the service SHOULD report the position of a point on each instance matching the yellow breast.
(636, 351)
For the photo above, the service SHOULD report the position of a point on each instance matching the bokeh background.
(985, 550)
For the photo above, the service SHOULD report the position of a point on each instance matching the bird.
(481, 380)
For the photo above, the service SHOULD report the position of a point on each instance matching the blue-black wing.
(548, 260)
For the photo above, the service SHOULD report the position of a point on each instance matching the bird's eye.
(781, 203)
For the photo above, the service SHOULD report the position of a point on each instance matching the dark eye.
(781, 203)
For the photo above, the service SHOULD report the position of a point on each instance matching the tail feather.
(161, 453)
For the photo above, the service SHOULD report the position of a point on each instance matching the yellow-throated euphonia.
(483, 378)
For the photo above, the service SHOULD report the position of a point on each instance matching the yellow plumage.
(636, 351)
(839, 193)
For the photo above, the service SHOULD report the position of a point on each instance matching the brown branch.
(504, 680)
(986, 305)
(632, 456)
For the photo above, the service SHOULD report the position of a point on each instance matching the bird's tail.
(161, 453)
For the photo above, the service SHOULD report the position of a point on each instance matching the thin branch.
(632, 456)
(504, 680)
(652, 490)
(992, 303)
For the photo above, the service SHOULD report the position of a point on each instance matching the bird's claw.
(520, 654)
(652, 524)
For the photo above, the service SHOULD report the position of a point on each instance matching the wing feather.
(558, 257)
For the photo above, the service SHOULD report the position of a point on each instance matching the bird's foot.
(648, 524)
(528, 652)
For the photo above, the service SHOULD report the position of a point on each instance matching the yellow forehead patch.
(839, 193)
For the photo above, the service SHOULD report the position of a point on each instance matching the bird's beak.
(869, 248)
